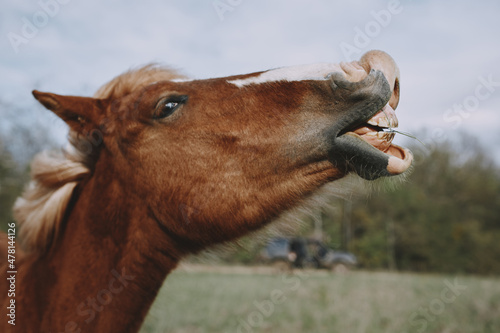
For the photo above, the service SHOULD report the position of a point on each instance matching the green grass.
(198, 301)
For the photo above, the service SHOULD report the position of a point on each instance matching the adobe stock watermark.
(187, 213)
(224, 6)
(265, 308)
(436, 307)
(470, 104)
(96, 303)
(31, 26)
(372, 29)
(459, 112)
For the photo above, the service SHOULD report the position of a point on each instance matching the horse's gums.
(179, 166)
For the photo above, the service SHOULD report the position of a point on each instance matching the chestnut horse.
(160, 166)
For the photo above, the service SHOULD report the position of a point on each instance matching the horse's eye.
(167, 107)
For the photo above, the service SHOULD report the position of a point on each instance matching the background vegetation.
(444, 218)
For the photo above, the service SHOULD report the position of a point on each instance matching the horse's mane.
(54, 175)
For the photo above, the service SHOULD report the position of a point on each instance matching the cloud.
(442, 50)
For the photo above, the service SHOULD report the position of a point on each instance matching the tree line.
(445, 217)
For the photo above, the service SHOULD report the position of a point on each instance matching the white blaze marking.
(181, 80)
(296, 73)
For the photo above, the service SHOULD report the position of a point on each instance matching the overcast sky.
(448, 51)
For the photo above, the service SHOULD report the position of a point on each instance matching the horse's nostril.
(380, 60)
(394, 101)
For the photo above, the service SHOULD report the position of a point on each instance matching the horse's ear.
(82, 114)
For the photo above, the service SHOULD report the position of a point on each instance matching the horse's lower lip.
(351, 153)
(399, 158)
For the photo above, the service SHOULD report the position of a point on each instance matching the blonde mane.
(41, 209)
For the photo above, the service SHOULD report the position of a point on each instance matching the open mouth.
(377, 131)
(362, 141)
(369, 145)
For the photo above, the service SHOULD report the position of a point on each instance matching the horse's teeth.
(381, 122)
(386, 136)
(381, 135)
(385, 118)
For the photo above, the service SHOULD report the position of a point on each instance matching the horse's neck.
(107, 269)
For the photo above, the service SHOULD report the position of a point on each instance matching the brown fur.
(106, 221)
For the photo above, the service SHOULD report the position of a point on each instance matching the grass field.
(197, 300)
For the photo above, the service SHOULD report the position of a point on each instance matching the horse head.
(213, 159)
